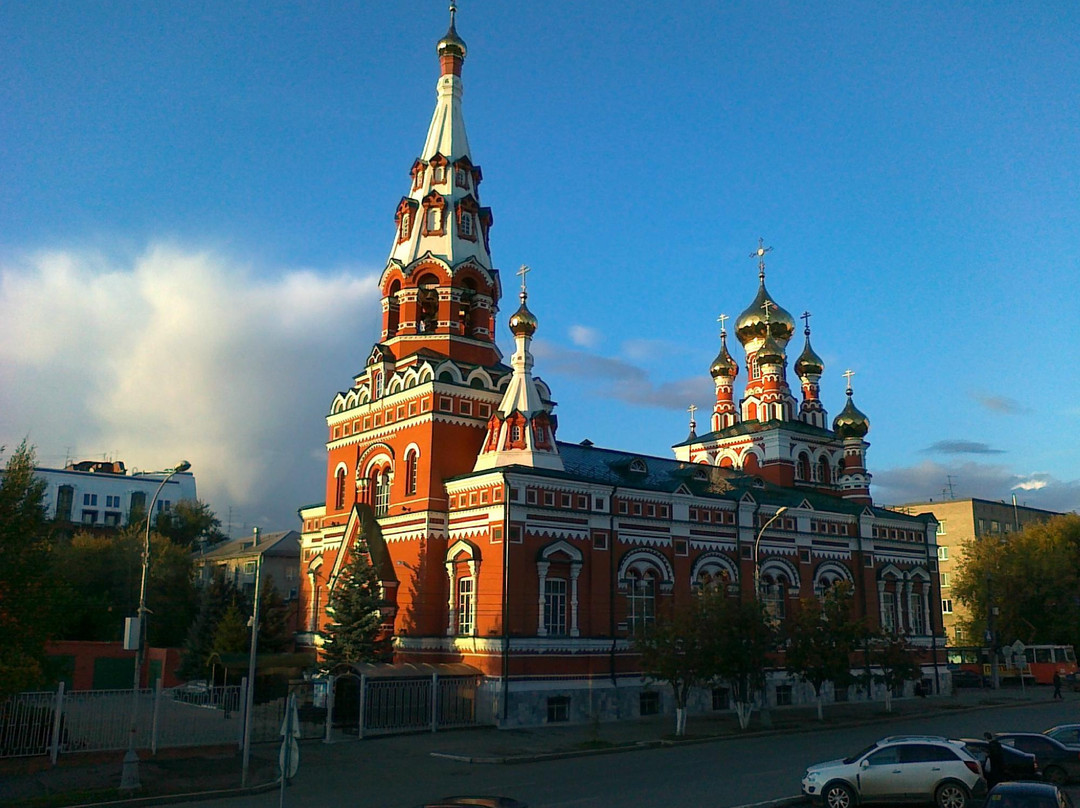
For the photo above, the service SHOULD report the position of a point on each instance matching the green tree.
(213, 600)
(891, 662)
(822, 640)
(738, 637)
(232, 634)
(26, 579)
(356, 633)
(674, 650)
(1032, 577)
(101, 576)
(275, 626)
(190, 523)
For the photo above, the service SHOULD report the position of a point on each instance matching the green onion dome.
(724, 365)
(851, 423)
(809, 363)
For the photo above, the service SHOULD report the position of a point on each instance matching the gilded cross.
(759, 254)
(525, 269)
(805, 317)
(723, 318)
(767, 305)
(847, 375)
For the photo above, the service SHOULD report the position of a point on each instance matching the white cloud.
(930, 481)
(584, 337)
(183, 354)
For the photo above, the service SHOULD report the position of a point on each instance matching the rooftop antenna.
(952, 494)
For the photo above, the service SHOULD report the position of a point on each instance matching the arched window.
(466, 225)
(640, 599)
(888, 611)
(406, 224)
(774, 596)
(377, 384)
(916, 610)
(824, 473)
(434, 220)
(382, 492)
(410, 471)
(802, 470)
(751, 411)
(339, 490)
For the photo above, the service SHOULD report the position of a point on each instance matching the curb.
(194, 796)
(669, 742)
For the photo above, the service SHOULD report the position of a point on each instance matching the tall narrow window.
(555, 606)
(65, 498)
(774, 597)
(339, 490)
(382, 492)
(406, 224)
(918, 616)
(465, 602)
(466, 225)
(410, 472)
(888, 611)
(641, 600)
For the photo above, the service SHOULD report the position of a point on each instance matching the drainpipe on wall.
(505, 602)
(612, 587)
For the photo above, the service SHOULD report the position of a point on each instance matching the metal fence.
(58, 723)
(366, 706)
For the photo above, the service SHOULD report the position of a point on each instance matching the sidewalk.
(82, 780)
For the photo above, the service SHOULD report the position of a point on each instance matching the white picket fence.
(45, 723)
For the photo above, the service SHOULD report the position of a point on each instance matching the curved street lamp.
(129, 777)
(766, 718)
(757, 544)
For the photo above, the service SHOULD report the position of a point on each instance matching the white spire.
(521, 430)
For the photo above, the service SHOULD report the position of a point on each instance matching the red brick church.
(534, 560)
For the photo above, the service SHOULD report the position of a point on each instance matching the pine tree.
(275, 630)
(232, 635)
(214, 599)
(356, 633)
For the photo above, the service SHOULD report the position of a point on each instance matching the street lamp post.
(129, 777)
(766, 718)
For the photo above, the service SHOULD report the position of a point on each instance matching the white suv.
(901, 768)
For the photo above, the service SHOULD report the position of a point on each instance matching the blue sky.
(197, 199)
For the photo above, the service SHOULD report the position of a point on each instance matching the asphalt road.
(394, 773)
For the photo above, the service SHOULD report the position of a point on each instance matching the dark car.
(476, 802)
(1058, 763)
(965, 678)
(1023, 794)
(1071, 681)
(1068, 734)
(1019, 765)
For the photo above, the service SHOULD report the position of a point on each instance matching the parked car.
(1068, 734)
(1057, 762)
(1019, 765)
(1027, 795)
(962, 677)
(476, 802)
(901, 768)
(1071, 681)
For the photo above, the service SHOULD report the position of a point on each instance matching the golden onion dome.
(751, 323)
(451, 44)
(523, 322)
(770, 352)
(724, 365)
(809, 363)
(851, 423)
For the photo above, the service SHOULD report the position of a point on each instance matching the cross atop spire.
(805, 316)
(768, 305)
(759, 254)
(847, 374)
(723, 318)
(692, 409)
(525, 270)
